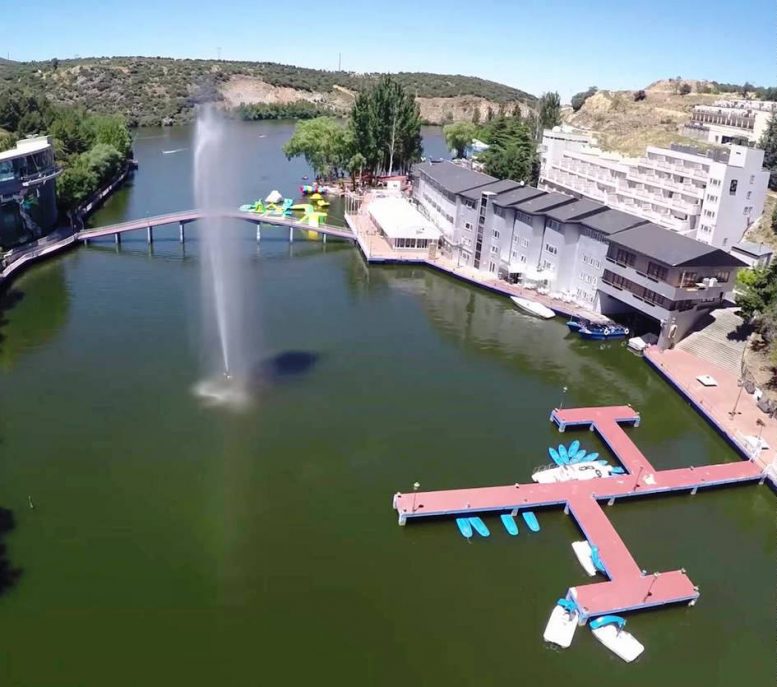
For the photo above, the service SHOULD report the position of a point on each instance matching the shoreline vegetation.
(153, 91)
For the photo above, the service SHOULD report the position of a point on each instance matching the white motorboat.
(533, 308)
(562, 624)
(584, 554)
(572, 471)
(609, 631)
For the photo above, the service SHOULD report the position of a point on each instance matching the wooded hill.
(150, 90)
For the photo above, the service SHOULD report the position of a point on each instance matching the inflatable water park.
(312, 213)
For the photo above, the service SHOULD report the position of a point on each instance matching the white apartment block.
(607, 260)
(730, 121)
(711, 197)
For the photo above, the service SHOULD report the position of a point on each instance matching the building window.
(732, 189)
(723, 277)
(749, 193)
(494, 249)
(752, 178)
(523, 217)
(468, 225)
(523, 258)
(624, 257)
(524, 243)
(657, 271)
(496, 234)
(546, 265)
(551, 249)
(747, 210)
(470, 204)
(552, 224)
(492, 267)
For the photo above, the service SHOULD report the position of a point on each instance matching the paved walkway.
(718, 402)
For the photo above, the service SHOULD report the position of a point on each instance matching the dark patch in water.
(287, 366)
(8, 573)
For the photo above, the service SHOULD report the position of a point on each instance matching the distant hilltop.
(155, 90)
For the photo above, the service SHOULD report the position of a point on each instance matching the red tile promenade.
(628, 588)
(717, 402)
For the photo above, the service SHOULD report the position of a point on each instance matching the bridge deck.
(187, 216)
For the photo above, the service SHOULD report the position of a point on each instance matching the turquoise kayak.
(554, 456)
(562, 452)
(464, 527)
(617, 471)
(509, 522)
(479, 527)
(591, 457)
(580, 456)
(574, 447)
(531, 521)
(603, 620)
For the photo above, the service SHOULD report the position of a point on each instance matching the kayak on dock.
(464, 527)
(531, 521)
(510, 525)
(479, 526)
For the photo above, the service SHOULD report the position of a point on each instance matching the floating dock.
(629, 587)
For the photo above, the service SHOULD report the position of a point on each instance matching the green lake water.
(176, 544)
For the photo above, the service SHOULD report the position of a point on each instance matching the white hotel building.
(607, 260)
(713, 198)
(731, 121)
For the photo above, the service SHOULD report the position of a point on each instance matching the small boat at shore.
(531, 521)
(608, 629)
(605, 333)
(582, 550)
(533, 308)
(562, 624)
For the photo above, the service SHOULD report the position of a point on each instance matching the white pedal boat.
(583, 552)
(573, 471)
(562, 624)
(609, 631)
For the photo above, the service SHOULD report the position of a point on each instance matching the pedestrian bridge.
(184, 217)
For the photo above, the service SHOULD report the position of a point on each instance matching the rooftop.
(26, 146)
(541, 204)
(671, 248)
(454, 178)
(400, 220)
(757, 250)
(575, 210)
(611, 221)
(502, 186)
(517, 195)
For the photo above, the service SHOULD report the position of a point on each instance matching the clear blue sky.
(535, 45)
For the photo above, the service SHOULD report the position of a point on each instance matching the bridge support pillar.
(150, 234)
(181, 232)
(291, 234)
(117, 237)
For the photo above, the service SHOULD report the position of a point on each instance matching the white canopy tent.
(402, 224)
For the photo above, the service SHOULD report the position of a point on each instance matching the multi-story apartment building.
(28, 202)
(712, 197)
(730, 121)
(520, 233)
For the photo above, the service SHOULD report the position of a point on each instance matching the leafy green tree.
(459, 136)
(639, 95)
(7, 141)
(578, 99)
(513, 151)
(71, 130)
(768, 143)
(757, 290)
(550, 111)
(113, 130)
(75, 185)
(321, 141)
(385, 125)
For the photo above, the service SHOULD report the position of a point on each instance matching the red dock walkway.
(628, 588)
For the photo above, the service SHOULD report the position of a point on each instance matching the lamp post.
(561, 403)
(741, 382)
(416, 486)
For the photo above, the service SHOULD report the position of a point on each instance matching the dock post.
(323, 237)
(636, 422)
(763, 478)
(562, 427)
(694, 490)
(291, 234)
(181, 232)
(566, 508)
(117, 238)
(402, 519)
(258, 232)
(150, 234)
(514, 512)
(611, 501)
